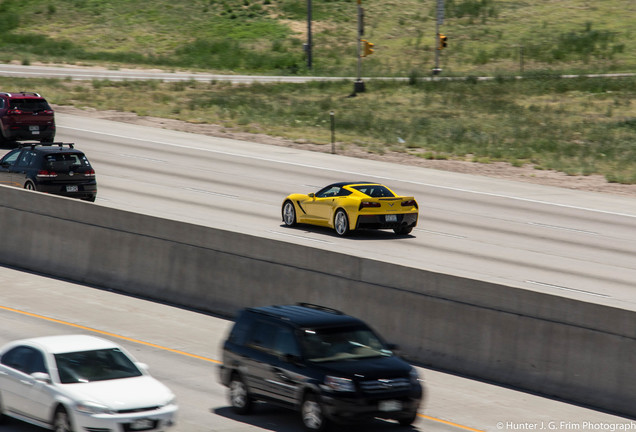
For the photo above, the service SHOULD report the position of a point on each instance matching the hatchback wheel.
(341, 222)
(239, 396)
(61, 421)
(312, 414)
(289, 214)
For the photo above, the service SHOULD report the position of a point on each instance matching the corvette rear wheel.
(341, 222)
(289, 214)
(403, 230)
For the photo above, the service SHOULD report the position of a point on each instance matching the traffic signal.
(442, 41)
(368, 48)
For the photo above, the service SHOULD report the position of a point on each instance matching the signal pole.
(438, 22)
(358, 86)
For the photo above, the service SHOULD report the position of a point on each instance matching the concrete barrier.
(573, 350)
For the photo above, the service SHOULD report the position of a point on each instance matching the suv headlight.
(339, 384)
(414, 376)
(88, 407)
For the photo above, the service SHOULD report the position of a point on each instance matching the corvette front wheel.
(289, 214)
(341, 222)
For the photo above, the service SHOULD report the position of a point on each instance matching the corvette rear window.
(374, 191)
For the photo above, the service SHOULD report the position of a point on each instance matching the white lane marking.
(355, 173)
(556, 227)
(441, 233)
(299, 236)
(142, 158)
(210, 192)
(567, 289)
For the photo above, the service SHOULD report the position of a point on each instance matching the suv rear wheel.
(312, 414)
(239, 395)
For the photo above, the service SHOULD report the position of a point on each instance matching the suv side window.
(273, 338)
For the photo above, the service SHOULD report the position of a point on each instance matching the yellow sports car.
(348, 206)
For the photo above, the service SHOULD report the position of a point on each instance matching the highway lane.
(568, 243)
(182, 348)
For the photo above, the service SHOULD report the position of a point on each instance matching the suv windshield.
(342, 343)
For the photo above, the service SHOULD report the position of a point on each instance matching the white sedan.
(77, 383)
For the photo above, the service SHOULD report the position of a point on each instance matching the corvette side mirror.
(312, 195)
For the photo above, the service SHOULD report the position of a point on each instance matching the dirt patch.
(595, 183)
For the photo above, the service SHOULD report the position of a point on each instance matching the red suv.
(26, 116)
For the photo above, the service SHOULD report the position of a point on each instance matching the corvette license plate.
(390, 218)
(390, 405)
(142, 424)
(72, 188)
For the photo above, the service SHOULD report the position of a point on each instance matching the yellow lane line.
(105, 333)
(114, 335)
(449, 423)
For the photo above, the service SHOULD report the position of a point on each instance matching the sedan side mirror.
(41, 377)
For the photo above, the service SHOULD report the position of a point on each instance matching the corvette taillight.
(409, 203)
(46, 174)
(365, 204)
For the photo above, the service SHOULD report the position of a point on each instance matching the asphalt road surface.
(562, 242)
(182, 348)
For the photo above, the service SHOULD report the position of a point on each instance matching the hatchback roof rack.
(47, 144)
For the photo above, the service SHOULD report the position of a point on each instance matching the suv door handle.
(26, 382)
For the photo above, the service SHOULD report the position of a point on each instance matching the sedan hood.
(121, 394)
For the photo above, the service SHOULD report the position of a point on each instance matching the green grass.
(578, 126)
(267, 36)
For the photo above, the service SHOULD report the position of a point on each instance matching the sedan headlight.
(88, 407)
(339, 384)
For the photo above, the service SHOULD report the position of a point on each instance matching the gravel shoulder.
(593, 183)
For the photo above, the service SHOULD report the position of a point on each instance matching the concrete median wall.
(578, 351)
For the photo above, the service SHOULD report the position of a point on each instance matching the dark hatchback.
(329, 366)
(55, 168)
(26, 116)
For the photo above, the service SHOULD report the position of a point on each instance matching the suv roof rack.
(24, 93)
(47, 144)
(320, 308)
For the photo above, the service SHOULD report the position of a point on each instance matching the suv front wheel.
(313, 416)
(239, 395)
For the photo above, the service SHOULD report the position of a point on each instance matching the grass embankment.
(577, 126)
(485, 37)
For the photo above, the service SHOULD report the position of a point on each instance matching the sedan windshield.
(97, 365)
(344, 343)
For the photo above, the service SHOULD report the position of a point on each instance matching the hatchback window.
(11, 157)
(26, 158)
(97, 365)
(65, 161)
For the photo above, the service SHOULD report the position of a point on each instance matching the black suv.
(55, 168)
(26, 116)
(329, 366)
